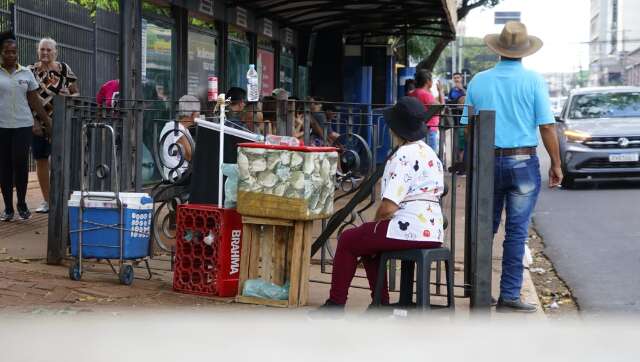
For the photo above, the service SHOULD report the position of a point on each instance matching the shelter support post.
(479, 228)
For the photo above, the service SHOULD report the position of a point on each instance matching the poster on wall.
(202, 51)
(286, 73)
(156, 60)
(303, 82)
(238, 64)
(266, 71)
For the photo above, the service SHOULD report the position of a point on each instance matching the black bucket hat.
(407, 119)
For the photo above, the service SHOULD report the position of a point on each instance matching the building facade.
(614, 39)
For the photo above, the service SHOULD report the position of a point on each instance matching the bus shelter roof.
(435, 18)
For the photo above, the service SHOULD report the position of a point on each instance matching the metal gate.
(89, 44)
(5, 15)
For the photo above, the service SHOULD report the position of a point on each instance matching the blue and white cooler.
(101, 225)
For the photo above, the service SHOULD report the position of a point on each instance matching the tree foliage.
(108, 5)
(477, 57)
(114, 5)
(429, 49)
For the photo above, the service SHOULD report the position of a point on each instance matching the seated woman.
(409, 215)
(176, 142)
(318, 122)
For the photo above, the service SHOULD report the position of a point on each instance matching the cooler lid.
(132, 200)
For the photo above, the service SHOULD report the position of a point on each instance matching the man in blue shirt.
(521, 100)
(457, 91)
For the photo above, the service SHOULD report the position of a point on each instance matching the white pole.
(460, 60)
(221, 104)
(454, 53)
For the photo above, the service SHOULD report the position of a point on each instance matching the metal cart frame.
(125, 271)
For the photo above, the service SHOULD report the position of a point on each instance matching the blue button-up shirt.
(520, 98)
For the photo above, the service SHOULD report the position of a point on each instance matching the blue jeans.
(433, 140)
(516, 189)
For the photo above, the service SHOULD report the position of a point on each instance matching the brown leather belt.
(515, 151)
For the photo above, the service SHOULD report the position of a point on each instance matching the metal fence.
(364, 143)
(88, 44)
(5, 15)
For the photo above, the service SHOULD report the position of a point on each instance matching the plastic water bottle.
(253, 92)
(282, 140)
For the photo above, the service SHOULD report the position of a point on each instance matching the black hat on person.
(407, 119)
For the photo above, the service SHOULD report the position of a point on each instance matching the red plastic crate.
(207, 270)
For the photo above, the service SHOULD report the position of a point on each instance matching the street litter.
(537, 270)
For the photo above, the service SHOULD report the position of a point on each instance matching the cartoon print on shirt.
(415, 173)
(422, 152)
(410, 236)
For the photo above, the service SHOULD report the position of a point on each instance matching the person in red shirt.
(108, 94)
(424, 82)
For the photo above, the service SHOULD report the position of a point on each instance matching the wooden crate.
(278, 251)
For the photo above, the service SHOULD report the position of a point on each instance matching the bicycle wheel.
(164, 225)
(355, 155)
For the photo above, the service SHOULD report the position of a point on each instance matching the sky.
(563, 26)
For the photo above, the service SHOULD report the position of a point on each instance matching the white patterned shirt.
(414, 180)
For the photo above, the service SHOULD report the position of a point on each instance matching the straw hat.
(513, 42)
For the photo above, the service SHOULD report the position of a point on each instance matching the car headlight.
(576, 136)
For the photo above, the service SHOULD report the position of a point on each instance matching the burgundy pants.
(366, 242)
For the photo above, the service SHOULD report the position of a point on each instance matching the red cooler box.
(208, 244)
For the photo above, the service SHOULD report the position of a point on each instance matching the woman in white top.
(18, 98)
(409, 214)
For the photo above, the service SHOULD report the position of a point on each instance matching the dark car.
(599, 134)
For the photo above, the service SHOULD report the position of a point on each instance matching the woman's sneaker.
(6, 216)
(44, 208)
(24, 213)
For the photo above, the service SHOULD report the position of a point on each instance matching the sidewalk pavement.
(29, 285)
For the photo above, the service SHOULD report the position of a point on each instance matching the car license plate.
(624, 157)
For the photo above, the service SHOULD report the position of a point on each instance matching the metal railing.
(357, 130)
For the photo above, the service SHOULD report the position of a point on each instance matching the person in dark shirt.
(457, 96)
(318, 123)
(409, 86)
(457, 90)
(238, 97)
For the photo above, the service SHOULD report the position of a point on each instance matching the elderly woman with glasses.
(55, 78)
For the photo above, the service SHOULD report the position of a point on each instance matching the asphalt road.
(592, 236)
